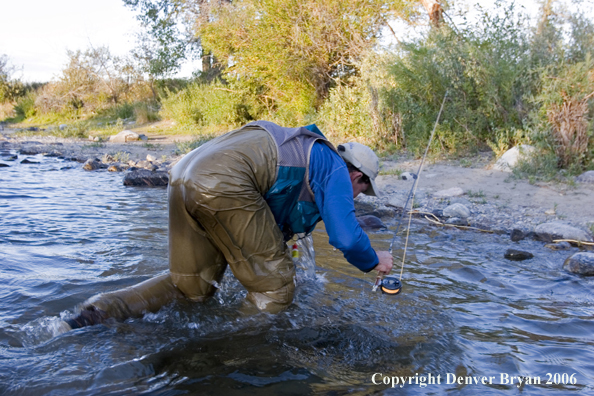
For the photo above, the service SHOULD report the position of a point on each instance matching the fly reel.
(391, 285)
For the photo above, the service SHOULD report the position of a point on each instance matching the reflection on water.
(67, 234)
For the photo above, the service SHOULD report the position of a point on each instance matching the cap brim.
(373, 190)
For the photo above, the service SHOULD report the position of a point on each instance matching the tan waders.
(217, 216)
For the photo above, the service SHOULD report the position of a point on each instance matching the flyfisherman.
(236, 201)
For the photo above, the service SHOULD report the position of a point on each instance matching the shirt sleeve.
(333, 191)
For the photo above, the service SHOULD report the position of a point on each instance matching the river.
(467, 320)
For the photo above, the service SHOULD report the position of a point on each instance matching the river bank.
(496, 201)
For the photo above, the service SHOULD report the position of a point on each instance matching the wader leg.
(194, 261)
(133, 301)
(224, 197)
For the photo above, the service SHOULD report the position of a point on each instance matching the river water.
(465, 314)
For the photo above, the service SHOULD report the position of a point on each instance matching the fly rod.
(391, 284)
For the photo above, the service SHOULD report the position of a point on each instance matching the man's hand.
(385, 262)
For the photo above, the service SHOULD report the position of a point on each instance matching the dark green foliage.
(484, 69)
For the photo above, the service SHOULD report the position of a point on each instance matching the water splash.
(306, 262)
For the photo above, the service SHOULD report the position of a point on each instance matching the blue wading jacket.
(313, 184)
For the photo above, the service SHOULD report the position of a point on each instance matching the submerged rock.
(580, 263)
(3, 165)
(370, 222)
(517, 255)
(144, 177)
(28, 161)
(548, 232)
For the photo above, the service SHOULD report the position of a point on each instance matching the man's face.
(358, 185)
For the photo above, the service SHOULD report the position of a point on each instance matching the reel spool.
(391, 285)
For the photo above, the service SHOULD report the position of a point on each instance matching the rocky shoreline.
(476, 197)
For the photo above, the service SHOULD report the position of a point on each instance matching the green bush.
(485, 69)
(206, 105)
(25, 106)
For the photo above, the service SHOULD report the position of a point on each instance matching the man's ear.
(355, 175)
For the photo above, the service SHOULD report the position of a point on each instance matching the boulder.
(580, 263)
(457, 210)
(144, 177)
(511, 157)
(517, 255)
(547, 232)
(586, 177)
(124, 136)
(448, 193)
(370, 222)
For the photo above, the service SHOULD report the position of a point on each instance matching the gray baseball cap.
(364, 159)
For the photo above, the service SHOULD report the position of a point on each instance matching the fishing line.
(391, 284)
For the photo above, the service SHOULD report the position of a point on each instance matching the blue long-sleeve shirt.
(333, 191)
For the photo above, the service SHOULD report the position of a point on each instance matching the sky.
(35, 34)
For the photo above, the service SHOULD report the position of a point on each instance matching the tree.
(291, 52)
(10, 88)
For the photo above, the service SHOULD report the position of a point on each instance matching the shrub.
(206, 105)
(566, 106)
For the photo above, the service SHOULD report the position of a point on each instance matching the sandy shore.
(495, 198)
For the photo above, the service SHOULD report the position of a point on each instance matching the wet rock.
(517, 255)
(580, 263)
(3, 165)
(94, 164)
(52, 154)
(115, 168)
(511, 157)
(457, 210)
(586, 177)
(28, 161)
(448, 193)
(408, 176)
(11, 158)
(144, 177)
(370, 222)
(517, 235)
(547, 232)
(124, 136)
(558, 246)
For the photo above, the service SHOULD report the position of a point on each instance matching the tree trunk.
(434, 10)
